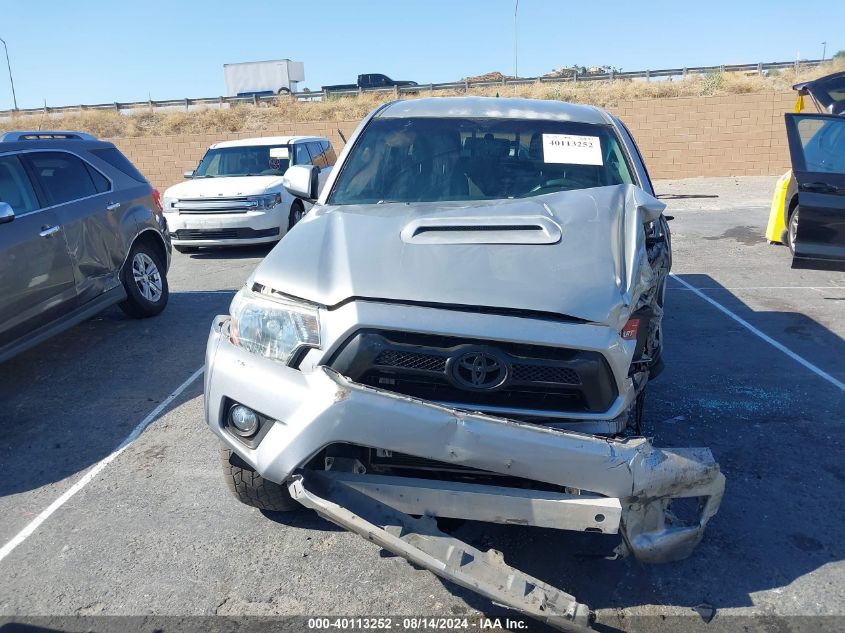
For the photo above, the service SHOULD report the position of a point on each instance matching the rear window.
(63, 176)
(442, 159)
(117, 160)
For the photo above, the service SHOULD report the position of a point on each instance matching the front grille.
(542, 380)
(538, 397)
(224, 234)
(411, 360)
(240, 204)
(545, 373)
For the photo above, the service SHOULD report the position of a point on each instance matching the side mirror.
(302, 181)
(7, 214)
(188, 174)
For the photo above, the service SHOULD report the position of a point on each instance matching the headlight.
(268, 201)
(272, 328)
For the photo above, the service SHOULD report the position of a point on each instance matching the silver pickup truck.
(464, 326)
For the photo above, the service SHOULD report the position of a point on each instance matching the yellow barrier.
(777, 215)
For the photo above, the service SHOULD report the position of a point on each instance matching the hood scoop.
(482, 230)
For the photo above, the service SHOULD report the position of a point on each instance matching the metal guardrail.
(187, 103)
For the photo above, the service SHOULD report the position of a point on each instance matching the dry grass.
(269, 116)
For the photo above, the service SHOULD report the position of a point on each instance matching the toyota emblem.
(479, 370)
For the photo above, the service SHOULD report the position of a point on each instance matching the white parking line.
(95, 470)
(779, 346)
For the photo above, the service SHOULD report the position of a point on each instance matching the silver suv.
(80, 229)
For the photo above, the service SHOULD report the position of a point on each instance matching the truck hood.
(578, 254)
(225, 187)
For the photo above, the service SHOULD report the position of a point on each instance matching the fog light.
(244, 420)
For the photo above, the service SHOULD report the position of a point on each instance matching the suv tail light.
(157, 200)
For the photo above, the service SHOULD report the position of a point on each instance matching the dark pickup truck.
(370, 80)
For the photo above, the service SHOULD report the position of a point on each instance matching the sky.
(98, 51)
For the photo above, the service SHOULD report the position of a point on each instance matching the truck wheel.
(296, 213)
(251, 488)
(145, 281)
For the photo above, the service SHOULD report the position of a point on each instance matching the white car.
(235, 195)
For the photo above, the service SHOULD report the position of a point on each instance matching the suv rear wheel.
(251, 488)
(145, 281)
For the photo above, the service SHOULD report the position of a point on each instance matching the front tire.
(145, 282)
(297, 212)
(252, 489)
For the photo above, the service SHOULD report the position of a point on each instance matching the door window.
(15, 188)
(101, 183)
(823, 144)
(63, 176)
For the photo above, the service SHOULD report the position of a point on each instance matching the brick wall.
(735, 135)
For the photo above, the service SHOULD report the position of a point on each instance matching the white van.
(235, 195)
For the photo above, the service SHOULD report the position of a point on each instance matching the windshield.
(431, 160)
(260, 160)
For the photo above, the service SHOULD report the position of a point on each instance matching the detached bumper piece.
(420, 542)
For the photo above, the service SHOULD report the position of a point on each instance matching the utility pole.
(824, 50)
(515, 46)
(9, 65)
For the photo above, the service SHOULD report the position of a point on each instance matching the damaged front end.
(371, 460)
(580, 482)
(488, 373)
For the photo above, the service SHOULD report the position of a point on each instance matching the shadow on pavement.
(304, 519)
(72, 400)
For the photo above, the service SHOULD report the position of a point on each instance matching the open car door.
(817, 151)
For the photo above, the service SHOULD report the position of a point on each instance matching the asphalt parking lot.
(154, 531)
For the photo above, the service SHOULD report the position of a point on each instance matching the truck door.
(36, 273)
(817, 152)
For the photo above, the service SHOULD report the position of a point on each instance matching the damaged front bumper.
(631, 484)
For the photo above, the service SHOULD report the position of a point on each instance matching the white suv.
(235, 196)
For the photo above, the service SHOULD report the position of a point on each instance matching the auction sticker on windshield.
(572, 149)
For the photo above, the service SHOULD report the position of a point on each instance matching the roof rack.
(38, 135)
